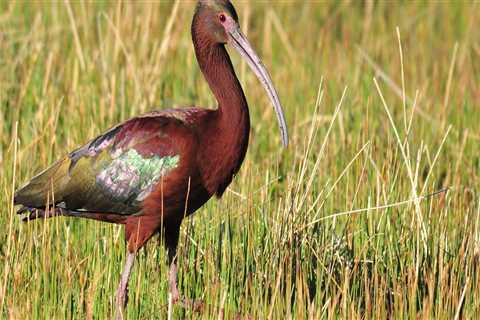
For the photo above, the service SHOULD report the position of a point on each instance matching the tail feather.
(43, 187)
(36, 213)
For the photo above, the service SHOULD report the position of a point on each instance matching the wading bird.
(151, 171)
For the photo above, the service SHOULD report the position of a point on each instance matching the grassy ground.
(382, 102)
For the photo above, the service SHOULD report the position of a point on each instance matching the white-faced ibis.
(151, 171)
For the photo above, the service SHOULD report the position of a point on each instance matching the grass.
(382, 102)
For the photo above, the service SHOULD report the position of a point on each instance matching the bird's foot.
(196, 305)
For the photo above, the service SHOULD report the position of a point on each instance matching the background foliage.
(336, 225)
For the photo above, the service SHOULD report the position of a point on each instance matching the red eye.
(222, 18)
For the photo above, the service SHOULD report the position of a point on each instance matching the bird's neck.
(217, 68)
(227, 133)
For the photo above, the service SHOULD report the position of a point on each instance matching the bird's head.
(218, 19)
(217, 23)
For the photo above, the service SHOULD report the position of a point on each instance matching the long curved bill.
(241, 44)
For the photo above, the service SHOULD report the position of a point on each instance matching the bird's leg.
(172, 273)
(122, 291)
(172, 232)
(195, 305)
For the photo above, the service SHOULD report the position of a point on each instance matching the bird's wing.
(114, 172)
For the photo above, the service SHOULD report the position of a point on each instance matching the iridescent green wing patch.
(130, 177)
